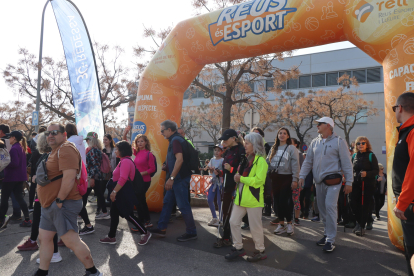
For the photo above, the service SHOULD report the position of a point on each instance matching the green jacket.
(252, 191)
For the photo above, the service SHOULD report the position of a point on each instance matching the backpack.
(138, 181)
(105, 164)
(82, 176)
(5, 159)
(41, 173)
(155, 161)
(193, 161)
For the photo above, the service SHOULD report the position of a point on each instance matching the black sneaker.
(86, 230)
(158, 232)
(257, 256)
(321, 241)
(6, 220)
(234, 254)
(328, 247)
(369, 225)
(245, 227)
(187, 237)
(297, 222)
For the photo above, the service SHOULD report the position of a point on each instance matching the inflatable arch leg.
(382, 29)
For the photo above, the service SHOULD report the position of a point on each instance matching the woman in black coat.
(366, 169)
(380, 191)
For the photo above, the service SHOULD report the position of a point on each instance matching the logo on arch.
(363, 10)
(138, 127)
(255, 17)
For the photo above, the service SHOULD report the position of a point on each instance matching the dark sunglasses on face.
(53, 132)
(361, 143)
(319, 124)
(394, 108)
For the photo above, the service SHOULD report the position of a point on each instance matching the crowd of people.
(338, 184)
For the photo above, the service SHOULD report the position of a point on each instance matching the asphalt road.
(372, 254)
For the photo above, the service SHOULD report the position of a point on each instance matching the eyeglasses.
(162, 130)
(394, 108)
(361, 143)
(321, 123)
(53, 132)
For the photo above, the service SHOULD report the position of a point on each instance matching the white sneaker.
(289, 229)
(103, 216)
(214, 222)
(55, 259)
(280, 229)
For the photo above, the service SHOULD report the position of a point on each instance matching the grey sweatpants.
(328, 210)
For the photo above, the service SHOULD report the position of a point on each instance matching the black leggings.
(379, 201)
(282, 195)
(35, 226)
(83, 213)
(100, 187)
(32, 193)
(115, 221)
(227, 201)
(304, 200)
(17, 189)
(363, 213)
(142, 208)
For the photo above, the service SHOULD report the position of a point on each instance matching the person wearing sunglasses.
(365, 166)
(328, 158)
(403, 172)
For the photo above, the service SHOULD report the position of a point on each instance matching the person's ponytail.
(24, 144)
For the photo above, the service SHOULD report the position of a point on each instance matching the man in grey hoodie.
(328, 154)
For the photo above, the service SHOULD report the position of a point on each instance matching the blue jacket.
(184, 171)
(16, 170)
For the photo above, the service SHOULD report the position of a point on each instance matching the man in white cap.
(328, 158)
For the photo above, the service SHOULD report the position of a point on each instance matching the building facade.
(321, 71)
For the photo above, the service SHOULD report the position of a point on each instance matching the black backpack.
(138, 181)
(192, 160)
(155, 161)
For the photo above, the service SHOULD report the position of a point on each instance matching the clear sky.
(117, 22)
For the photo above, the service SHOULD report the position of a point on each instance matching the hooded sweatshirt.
(289, 163)
(78, 141)
(326, 158)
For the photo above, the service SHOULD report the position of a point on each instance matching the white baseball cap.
(326, 120)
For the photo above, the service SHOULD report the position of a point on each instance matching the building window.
(332, 79)
(349, 73)
(318, 80)
(292, 84)
(364, 119)
(269, 85)
(305, 81)
(360, 76)
(374, 75)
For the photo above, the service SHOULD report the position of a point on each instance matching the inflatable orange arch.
(382, 29)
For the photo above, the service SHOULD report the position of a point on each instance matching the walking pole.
(362, 206)
(221, 208)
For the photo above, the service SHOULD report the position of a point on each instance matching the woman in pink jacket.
(125, 171)
(145, 163)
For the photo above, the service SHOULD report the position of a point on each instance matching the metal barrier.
(199, 184)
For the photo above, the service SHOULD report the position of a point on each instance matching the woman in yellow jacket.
(250, 181)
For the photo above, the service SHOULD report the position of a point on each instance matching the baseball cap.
(228, 133)
(16, 134)
(218, 146)
(91, 135)
(326, 120)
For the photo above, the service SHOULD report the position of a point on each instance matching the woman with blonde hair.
(365, 166)
(145, 163)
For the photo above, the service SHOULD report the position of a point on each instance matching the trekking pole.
(221, 207)
(362, 206)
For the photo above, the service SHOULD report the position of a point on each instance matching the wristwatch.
(172, 178)
(58, 200)
(113, 191)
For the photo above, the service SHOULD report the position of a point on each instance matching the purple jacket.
(16, 170)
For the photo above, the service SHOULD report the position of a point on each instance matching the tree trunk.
(226, 119)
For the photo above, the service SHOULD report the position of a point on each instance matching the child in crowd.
(216, 183)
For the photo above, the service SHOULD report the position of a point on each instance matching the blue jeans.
(210, 200)
(179, 194)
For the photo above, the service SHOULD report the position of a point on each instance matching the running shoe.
(213, 222)
(145, 238)
(321, 241)
(187, 237)
(369, 226)
(158, 232)
(328, 247)
(280, 229)
(316, 219)
(275, 221)
(148, 224)
(55, 258)
(356, 229)
(245, 226)
(86, 230)
(257, 256)
(289, 229)
(95, 274)
(26, 223)
(297, 222)
(103, 216)
(235, 253)
(222, 243)
(108, 240)
(4, 222)
(29, 245)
